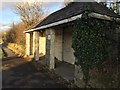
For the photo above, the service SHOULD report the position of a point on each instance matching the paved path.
(8, 52)
(18, 73)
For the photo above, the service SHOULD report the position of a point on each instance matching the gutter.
(94, 15)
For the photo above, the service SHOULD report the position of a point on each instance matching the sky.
(8, 14)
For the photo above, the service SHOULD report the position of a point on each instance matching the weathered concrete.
(58, 43)
(63, 44)
(36, 45)
(28, 44)
(67, 51)
(50, 42)
(31, 43)
(65, 70)
(33, 51)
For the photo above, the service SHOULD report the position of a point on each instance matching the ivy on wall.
(91, 38)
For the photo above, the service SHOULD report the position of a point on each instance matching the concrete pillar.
(31, 43)
(50, 38)
(33, 50)
(36, 45)
(27, 44)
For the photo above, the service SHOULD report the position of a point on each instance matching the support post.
(36, 45)
(27, 44)
(33, 51)
(50, 38)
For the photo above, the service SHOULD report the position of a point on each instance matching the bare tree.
(114, 6)
(29, 12)
(66, 2)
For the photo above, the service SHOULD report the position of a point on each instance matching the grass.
(2, 55)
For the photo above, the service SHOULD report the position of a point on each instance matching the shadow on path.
(9, 58)
(18, 73)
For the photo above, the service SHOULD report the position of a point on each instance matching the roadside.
(2, 55)
(2, 52)
(8, 52)
(18, 73)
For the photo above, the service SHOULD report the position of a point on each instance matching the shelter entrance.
(63, 52)
(63, 45)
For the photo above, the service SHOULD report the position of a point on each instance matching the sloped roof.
(36, 23)
(76, 8)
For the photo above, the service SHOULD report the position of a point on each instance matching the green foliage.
(91, 38)
(2, 55)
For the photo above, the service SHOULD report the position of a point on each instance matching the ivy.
(91, 38)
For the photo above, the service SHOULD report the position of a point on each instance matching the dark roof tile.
(76, 8)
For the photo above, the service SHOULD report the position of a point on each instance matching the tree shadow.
(9, 58)
(25, 75)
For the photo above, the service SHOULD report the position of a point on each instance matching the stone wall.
(78, 80)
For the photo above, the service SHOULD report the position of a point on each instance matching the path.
(18, 73)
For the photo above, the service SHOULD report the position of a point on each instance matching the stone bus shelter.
(53, 36)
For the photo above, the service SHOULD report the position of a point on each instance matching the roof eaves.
(56, 23)
(105, 17)
(32, 27)
(92, 14)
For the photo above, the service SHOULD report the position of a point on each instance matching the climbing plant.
(91, 38)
